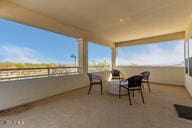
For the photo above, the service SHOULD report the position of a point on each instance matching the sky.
(98, 53)
(21, 43)
(158, 54)
(25, 44)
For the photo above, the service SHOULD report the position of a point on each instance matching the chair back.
(90, 75)
(145, 75)
(134, 81)
(115, 73)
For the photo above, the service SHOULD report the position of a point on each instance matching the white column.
(83, 55)
(114, 57)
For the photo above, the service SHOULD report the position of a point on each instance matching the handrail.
(7, 69)
(22, 73)
(35, 76)
(99, 68)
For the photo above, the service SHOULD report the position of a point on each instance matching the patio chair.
(145, 79)
(133, 84)
(116, 74)
(94, 80)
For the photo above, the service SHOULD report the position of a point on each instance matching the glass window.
(186, 56)
(190, 57)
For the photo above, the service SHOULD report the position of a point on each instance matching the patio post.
(83, 55)
(114, 57)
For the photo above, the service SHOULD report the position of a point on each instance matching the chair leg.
(101, 88)
(142, 97)
(89, 88)
(129, 97)
(119, 91)
(148, 86)
(143, 85)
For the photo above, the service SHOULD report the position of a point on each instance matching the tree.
(102, 63)
(7, 65)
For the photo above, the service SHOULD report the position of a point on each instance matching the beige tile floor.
(76, 109)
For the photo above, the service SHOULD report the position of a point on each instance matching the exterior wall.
(165, 75)
(188, 79)
(13, 93)
(154, 39)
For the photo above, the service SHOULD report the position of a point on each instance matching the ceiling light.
(121, 20)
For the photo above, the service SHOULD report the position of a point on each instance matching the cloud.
(106, 59)
(154, 55)
(22, 54)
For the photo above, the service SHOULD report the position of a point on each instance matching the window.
(99, 58)
(24, 47)
(186, 56)
(159, 54)
(190, 57)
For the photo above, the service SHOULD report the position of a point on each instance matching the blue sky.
(21, 43)
(37, 44)
(99, 53)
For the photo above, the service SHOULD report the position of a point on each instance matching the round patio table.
(113, 88)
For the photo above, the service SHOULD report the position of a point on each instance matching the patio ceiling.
(116, 20)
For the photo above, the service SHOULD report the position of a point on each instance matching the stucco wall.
(166, 75)
(14, 93)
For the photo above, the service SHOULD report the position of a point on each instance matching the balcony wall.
(165, 75)
(13, 93)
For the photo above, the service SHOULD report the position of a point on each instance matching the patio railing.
(26, 73)
(99, 68)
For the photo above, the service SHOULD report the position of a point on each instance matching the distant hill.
(24, 65)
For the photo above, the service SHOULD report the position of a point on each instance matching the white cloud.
(108, 60)
(22, 54)
(155, 56)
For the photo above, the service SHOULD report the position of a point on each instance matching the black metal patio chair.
(94, 80)
(133, 84)
(116, 74)
(145, 79)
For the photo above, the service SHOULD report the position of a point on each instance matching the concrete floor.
(76, 109)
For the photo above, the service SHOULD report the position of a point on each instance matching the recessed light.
(121, 20)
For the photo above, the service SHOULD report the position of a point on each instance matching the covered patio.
(62, 101)
(77, 109)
